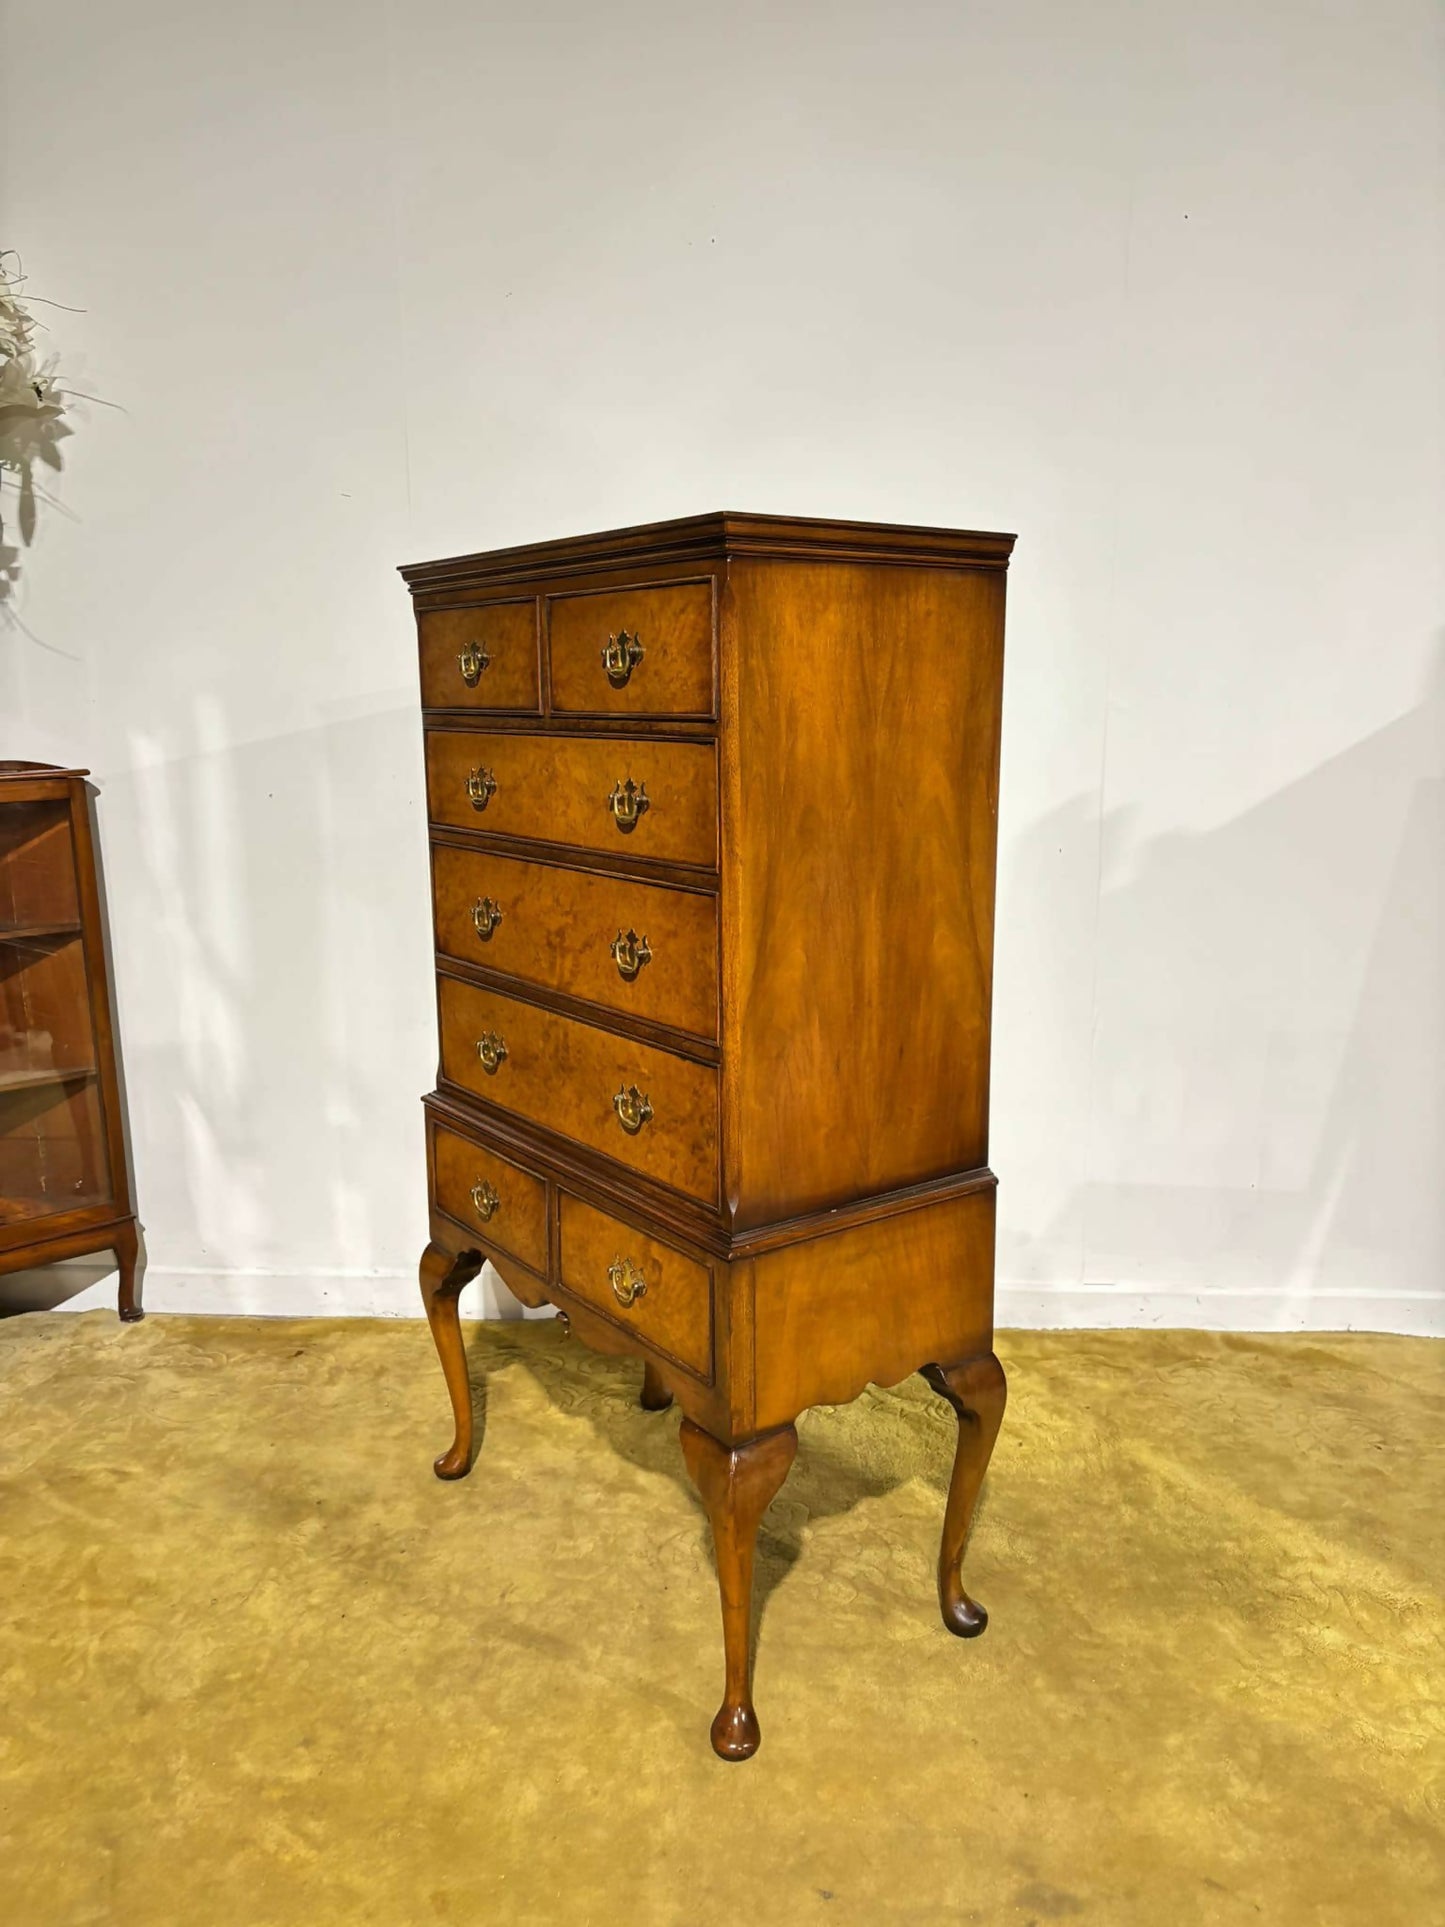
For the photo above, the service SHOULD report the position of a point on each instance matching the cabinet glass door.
(52, 1136)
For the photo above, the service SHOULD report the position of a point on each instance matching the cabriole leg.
(977, 1391)
(655, 1395)
(737, 1486)
(443, 1274)
(127, 1255)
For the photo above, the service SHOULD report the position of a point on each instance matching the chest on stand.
(713, 820)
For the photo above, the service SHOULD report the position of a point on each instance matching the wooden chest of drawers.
(713, 812)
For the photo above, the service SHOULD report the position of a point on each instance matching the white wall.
(1157, 286)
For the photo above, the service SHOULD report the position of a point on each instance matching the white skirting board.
(84, 1286)
(88, 1285)
(1174, 1308)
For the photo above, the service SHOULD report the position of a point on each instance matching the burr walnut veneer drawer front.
(637, 652)
(634, 947)
(504, 1206)
(648, 1109)
(639, 1284)
(610, 793)
(483, 657)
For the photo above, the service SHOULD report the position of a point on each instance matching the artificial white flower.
(32, 411)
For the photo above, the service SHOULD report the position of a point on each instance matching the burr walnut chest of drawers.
(713, 812)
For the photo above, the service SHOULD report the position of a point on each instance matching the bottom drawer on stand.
(504, 1206)
(638, 1284)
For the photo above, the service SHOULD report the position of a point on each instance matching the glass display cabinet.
(64, 1172)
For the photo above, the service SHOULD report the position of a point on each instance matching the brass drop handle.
(633, 1110)
(492, 1049)
(472, 661)
(630, 953)
(484, 1200)
(621, 657)
(486, 915)
(626, 1280)
(481, 788)
(627, 803)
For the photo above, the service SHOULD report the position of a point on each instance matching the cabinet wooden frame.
(108, 1224)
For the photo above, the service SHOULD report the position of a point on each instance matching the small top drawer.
(635, 1282)
(634, 652)
(480, 657)
(505, 1206)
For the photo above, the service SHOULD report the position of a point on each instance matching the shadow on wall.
(1265, 1087)
(1265, 1090)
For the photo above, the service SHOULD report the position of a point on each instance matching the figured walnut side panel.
(861, 706)
(871, 1305)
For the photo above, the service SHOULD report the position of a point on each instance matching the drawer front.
(483, 657)
(564, 1074)
(633, 652)
(574, 790)
(638, 1284)
(506, 1207)
(635, 947)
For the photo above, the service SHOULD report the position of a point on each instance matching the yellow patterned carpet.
(257, 1666)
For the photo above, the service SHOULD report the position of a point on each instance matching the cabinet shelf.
(29, 932)
(37, 1080)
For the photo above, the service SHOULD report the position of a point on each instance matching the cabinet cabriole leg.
(127, 1256)
(977, 1390)
(443, 1274)
(737, 1485)
(655, 1395)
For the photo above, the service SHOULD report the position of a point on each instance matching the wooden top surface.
(28, 772)
(709, 537)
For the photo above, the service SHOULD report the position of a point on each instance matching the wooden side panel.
(673, 1307)
(672, 628)
(97, 963)
(871, 1305)
(861, 708)
(556, 788)
(505, 633)
(557, 928)
(563, 1074)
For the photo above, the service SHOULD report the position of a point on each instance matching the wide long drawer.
(626, 796)
(647, 1288)
(634, 947)
(644, 1107)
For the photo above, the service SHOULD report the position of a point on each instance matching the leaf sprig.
(32, 413)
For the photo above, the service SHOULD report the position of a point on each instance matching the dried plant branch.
(32, 414)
